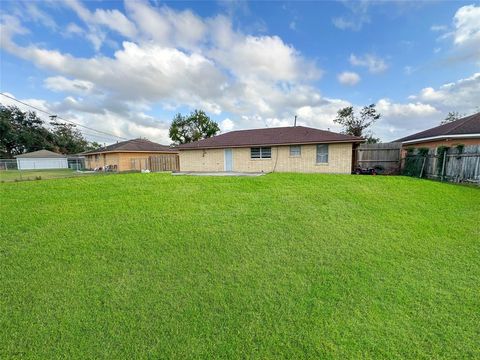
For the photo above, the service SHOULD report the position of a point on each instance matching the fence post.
(423, 166)
(443, 165)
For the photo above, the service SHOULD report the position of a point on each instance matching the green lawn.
(22, 175)
(278, 266)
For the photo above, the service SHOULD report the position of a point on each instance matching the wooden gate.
(384, 155)
(168, 162)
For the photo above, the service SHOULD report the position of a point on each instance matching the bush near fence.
(456, 164)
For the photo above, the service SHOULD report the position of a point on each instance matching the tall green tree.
(22, 132)
(196, 126)
(67, 138)
(93, 145)
(357, 124)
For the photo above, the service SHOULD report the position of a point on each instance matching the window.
(261, 153)
(97, 157)
(322, 153)
(295, 150)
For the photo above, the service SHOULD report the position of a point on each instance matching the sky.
(126, 68)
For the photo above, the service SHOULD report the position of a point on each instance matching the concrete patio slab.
(230, 173)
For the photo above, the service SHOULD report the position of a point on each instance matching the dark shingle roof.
(43, 154)
(140, 145)
(464, 126)
(270, 136)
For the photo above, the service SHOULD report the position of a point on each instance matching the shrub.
(423, 151)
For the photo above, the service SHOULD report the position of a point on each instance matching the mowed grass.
(279, 266)
(23, 175)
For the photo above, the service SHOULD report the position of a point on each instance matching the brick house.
(282, 149)
(128, 155)
(464, 131)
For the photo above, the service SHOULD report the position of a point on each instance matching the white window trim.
(261, 158)
(316, 155)
(290, 151)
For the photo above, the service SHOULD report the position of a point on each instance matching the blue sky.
(128, 67)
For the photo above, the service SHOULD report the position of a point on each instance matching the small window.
(295, 150)
(255, 153)
(97, 157)
(322, 153)
(261, 153)
(266, 152)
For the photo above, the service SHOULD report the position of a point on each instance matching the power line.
(59, 117)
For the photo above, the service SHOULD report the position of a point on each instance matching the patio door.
(228, 160)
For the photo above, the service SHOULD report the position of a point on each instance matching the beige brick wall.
(101, 160)
(202, 160)
(339, 160)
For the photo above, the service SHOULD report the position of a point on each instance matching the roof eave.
(441, 137)
(130, 151)
(273, 144)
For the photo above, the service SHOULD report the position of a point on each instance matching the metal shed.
(41, 159)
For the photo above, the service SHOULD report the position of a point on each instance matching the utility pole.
(295, 121)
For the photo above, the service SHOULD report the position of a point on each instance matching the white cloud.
(209, 65)
(418, 109)
(5, 101)
(356, 17)
(10, 26)
(428, 107)
(96, 21)
(438, 27)
(38, 15)
(74, 29)
(467, 26)
(116, 120)
(265, 57)
(464, 34)
(226, 125)
(348, 78)
(62, 84)
(166, 26)
(374, 64)
(401, 119)
(462, 96)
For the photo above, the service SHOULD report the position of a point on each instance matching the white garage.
(41, 159)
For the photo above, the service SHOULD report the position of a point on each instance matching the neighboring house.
(128, 155)
(464, 131)
(41, 159)
(283, 149)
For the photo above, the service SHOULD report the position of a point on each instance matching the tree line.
(22, 132)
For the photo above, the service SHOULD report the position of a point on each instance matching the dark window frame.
(264, 152)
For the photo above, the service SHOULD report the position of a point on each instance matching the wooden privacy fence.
(383, 156)
(456, 165)
(164, 163)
